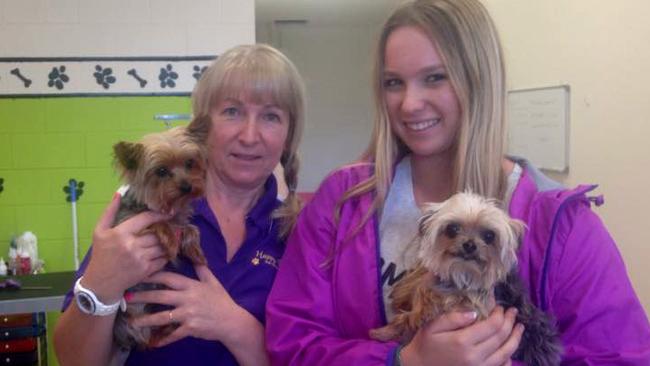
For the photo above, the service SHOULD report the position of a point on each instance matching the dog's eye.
(189, 164)
(162, 172)
(488, 236)
(452, 230)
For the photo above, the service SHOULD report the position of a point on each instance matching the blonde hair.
(263, 74)
(467, 40)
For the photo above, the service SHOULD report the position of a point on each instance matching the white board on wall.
(539, 126)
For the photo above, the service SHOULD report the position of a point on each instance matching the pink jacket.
(320, 314)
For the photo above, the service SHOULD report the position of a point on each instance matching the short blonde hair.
(467, 40)
(264, 74)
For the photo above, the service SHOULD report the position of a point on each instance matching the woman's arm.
(599, 316)
(302, 327)
(119, 260)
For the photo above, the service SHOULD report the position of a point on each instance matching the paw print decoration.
(167, 77)
(104, 76)
(57, 77)
(198, 71)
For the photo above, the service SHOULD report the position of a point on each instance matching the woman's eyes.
(392, 83)
(235, 112)
(231, 111)
(271, 117)
(432, 78)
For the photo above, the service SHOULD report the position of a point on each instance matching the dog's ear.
(518, 228)
(128, 155)
(430, 210)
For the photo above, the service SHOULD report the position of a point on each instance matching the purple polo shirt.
(247, 278)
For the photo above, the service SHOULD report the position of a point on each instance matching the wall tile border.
(100, 76)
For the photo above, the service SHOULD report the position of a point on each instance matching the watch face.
(85, 303)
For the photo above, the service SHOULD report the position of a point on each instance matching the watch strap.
(96, 307)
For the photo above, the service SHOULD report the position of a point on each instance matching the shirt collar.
(259, 215)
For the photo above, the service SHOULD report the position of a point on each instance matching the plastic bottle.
(12, 266)
(24, 263)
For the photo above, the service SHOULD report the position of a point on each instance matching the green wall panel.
(48, 150)
(7, 227)
(25, 187)
(6, 154)
(22, 115)
(47, 222)
(80, 114)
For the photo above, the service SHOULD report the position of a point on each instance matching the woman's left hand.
(203, 308)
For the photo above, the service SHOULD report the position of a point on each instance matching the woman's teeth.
(419, 126)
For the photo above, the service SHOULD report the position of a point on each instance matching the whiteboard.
(539, 126)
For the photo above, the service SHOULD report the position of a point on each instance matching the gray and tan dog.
(466, 259)
(164, 171)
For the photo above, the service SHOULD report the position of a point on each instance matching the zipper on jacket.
(598, 200)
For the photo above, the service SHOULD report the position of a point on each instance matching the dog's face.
(166, 170)
(469, 241)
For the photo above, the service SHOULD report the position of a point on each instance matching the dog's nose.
(185, 187)
(469, 247)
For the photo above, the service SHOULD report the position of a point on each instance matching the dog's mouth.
(468, 257)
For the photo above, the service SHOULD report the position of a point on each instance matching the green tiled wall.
(46, 141)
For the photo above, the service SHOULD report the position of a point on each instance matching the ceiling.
(326, 12)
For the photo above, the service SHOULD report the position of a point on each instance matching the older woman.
(248, 113)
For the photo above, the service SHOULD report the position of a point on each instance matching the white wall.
(55, 28)
(601, 50)
(335, 62)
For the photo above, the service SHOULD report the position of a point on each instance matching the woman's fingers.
(156, 319)
(141, 221)
(451, 321)
(507, 349)
(162, 297)
(156, 265)
(108, 217)
(488, 328)
(151, 252)
(170, 279)
(501, 328)
(176, 335)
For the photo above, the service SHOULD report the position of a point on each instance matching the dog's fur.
(466, 260)
(165, 171)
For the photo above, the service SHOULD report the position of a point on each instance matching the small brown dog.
(164, 171)
(466, 256)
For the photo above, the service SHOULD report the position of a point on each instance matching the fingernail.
(116, 196)
(470, 315)
(521, 327)
(515, 311)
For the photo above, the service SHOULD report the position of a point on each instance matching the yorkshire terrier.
(164, 171)
(466, 259)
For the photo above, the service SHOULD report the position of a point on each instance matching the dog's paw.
(386, 333)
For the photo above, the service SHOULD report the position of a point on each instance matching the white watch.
(88, 302)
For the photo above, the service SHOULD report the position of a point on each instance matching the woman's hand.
(452, 339)
(203, 308)
(120, 257)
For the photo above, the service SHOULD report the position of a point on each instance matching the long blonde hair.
(260, 72)
(469, 45)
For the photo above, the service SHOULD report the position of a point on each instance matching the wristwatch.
(88, 302)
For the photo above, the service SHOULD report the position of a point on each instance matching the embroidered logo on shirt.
(261, 257)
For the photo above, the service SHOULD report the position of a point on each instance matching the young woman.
(440, 95)
(248, 112)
